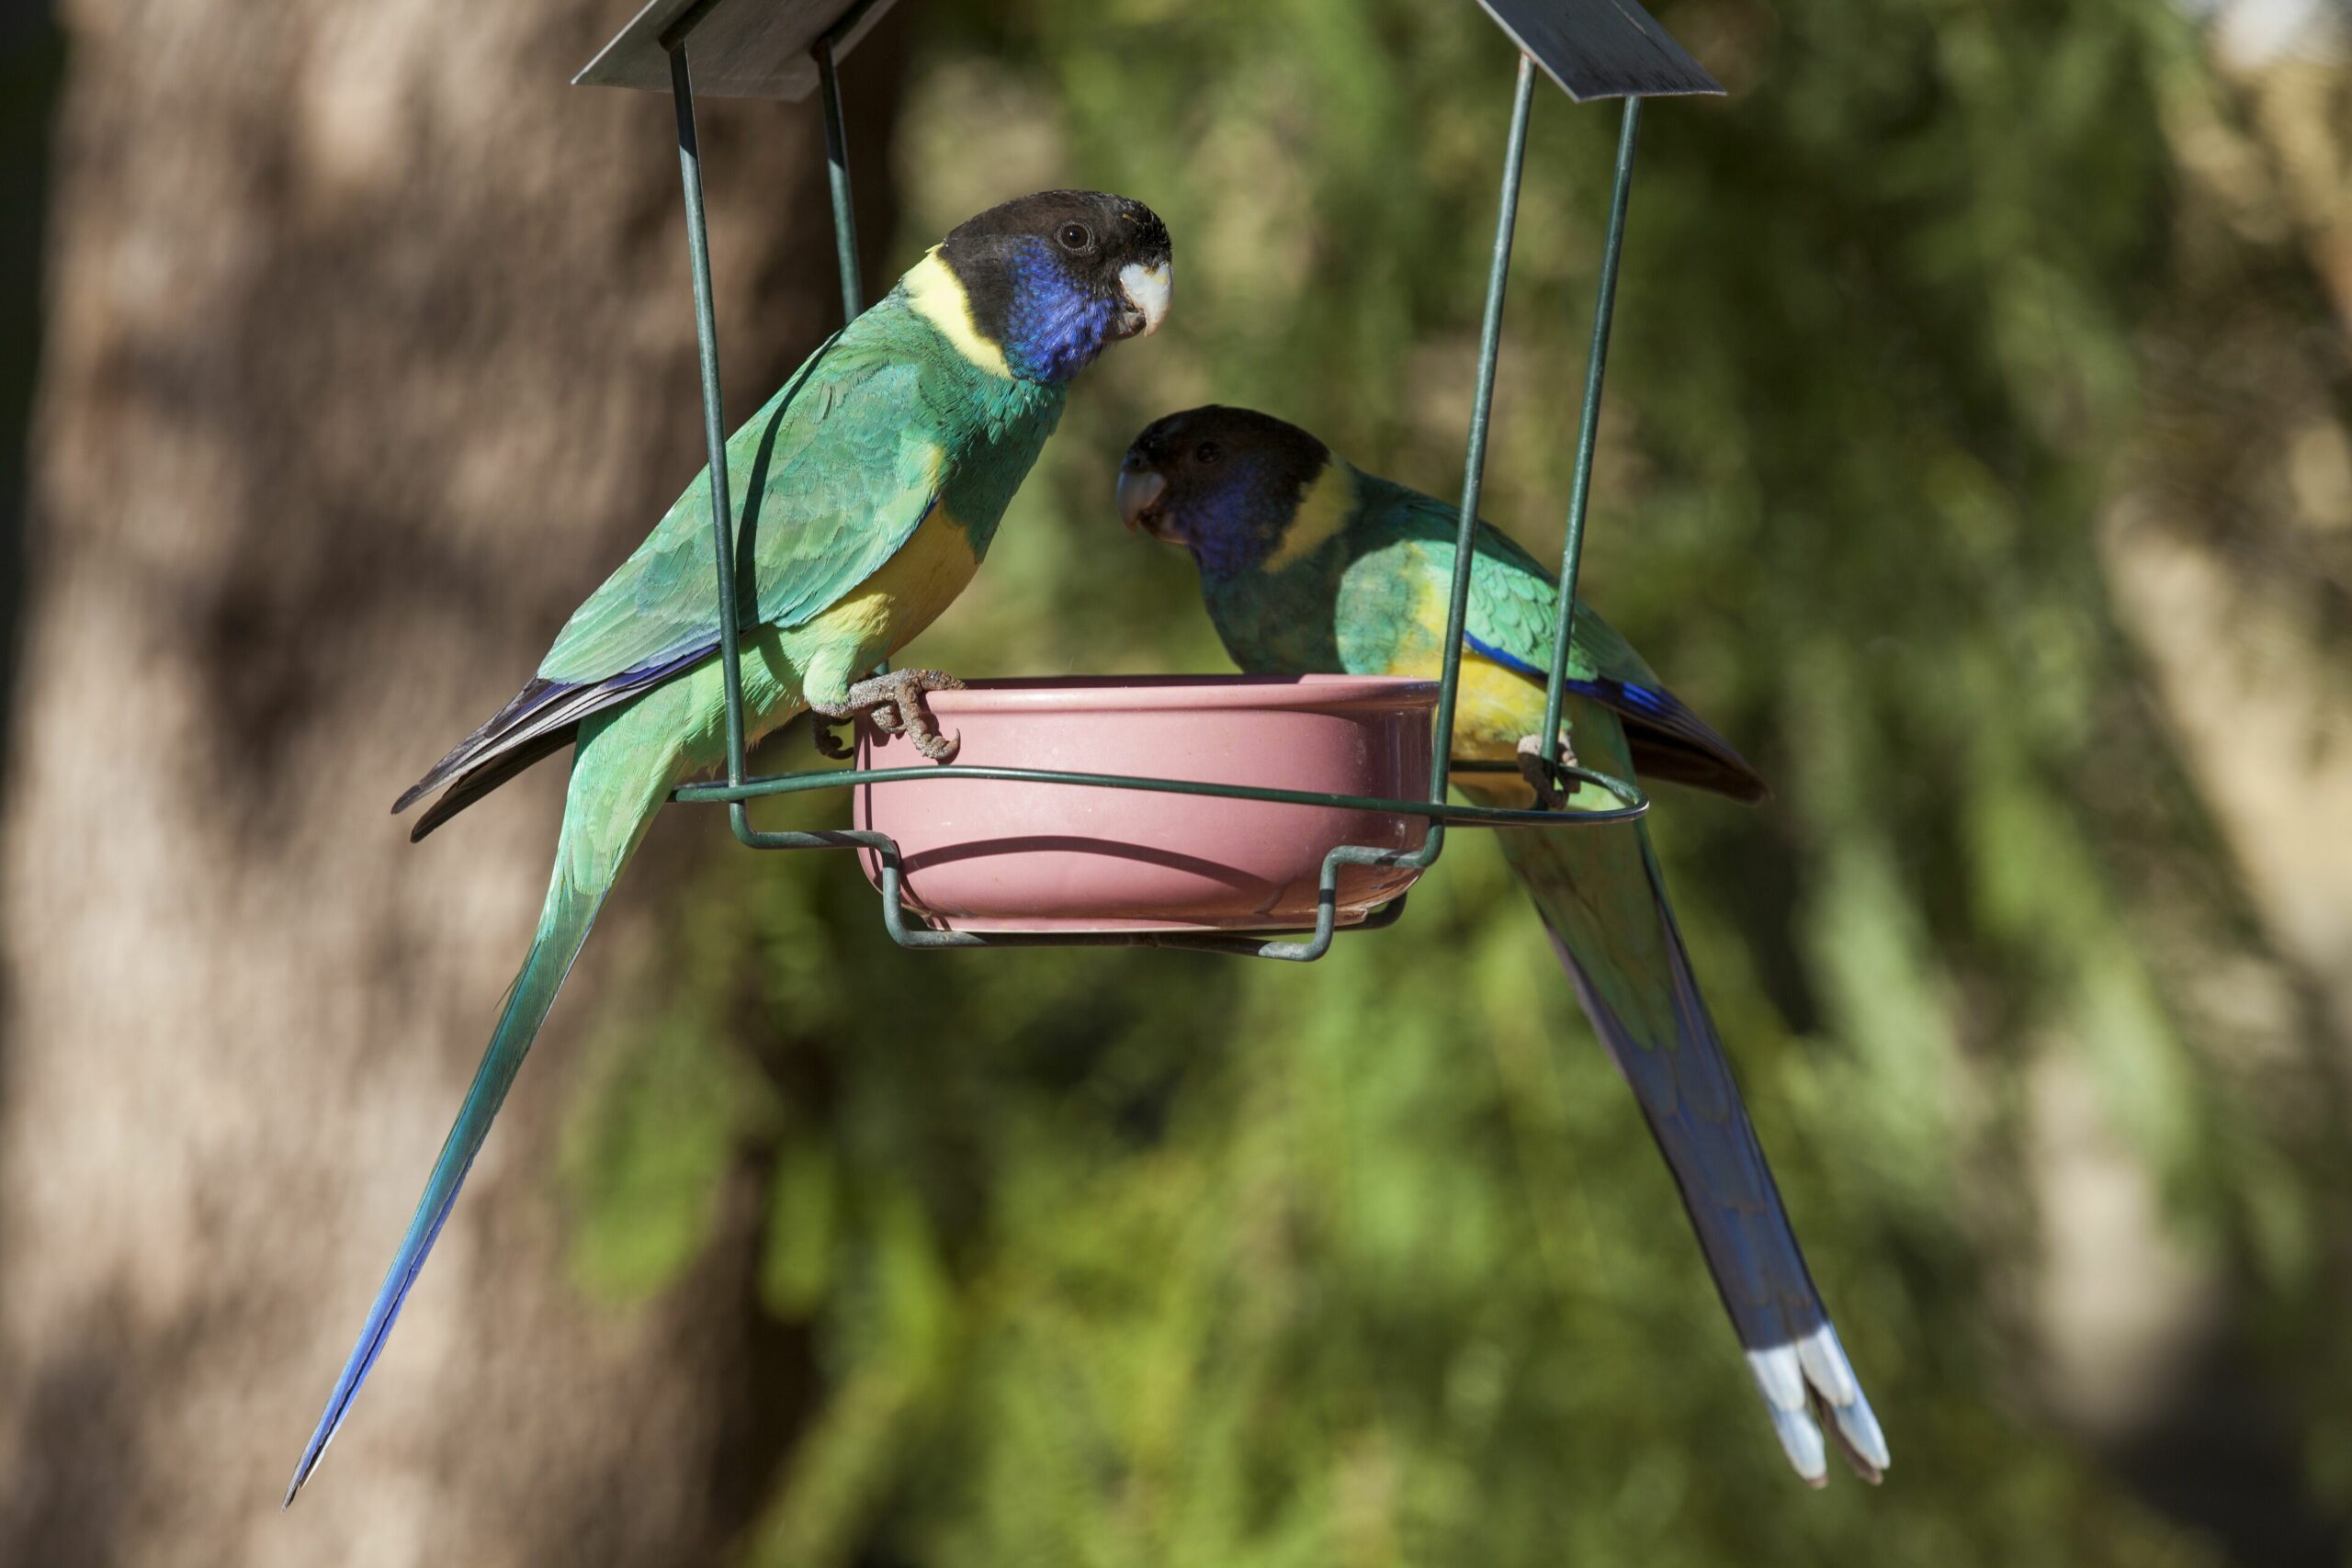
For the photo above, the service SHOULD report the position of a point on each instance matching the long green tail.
(618, 782)
(1603, 899)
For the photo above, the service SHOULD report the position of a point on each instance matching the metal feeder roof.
(759, 49)
(1602, 49)
(738, 49)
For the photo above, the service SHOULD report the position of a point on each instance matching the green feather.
(828, 481)
(1361, 594)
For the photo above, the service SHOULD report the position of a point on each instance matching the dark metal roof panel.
(1602, 49)
(738, 49)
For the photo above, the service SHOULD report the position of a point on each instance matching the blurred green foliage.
(1153, 1258)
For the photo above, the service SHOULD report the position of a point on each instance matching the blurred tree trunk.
(2227, 547)
(2230, 546)
(370, 353)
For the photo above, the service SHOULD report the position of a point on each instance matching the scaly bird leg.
(893, 704)
(1535, 765)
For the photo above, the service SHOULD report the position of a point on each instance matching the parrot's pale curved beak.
(1147, 289)
(1139, 493)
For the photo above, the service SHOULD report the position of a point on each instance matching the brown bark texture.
(369, 352)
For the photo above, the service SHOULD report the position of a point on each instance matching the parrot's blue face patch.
(1232, 486)
(1236, 524)
(1056, 323)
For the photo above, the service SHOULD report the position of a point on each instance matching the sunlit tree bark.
(370, 353)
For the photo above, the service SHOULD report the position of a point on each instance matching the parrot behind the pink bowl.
(999, 855)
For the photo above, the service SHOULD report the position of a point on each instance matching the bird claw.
(893, 705)
(1537, 766)
(827, 744)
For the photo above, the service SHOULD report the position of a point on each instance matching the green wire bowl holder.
(780, 49)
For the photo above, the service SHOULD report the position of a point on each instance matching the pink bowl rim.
(1182, 693)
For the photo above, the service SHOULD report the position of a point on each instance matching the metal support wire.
(1473, 464)
(1605, 305)
(1317, 943)
(722, 513)
(1433, 810)
(891, 865)
(837, 160)
(1238, 945)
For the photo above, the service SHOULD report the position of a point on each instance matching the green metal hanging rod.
(1592, 48)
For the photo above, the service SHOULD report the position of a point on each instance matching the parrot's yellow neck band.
(1322, 512)
(937, 296)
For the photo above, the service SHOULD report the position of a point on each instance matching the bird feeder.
(1198, 812)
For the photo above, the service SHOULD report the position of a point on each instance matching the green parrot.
(866, 491)
(1308, 564)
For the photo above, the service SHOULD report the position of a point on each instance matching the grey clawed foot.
(893, 704)
(1535, 765)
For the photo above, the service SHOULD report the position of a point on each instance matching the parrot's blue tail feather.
(552, 953)
(1693, 1109)
(612, 798)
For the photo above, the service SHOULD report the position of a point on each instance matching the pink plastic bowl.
(991, 856)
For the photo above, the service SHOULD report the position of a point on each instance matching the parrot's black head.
(1042, 282)
(1225, 484)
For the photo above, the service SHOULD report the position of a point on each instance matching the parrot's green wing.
(828, 482)
(1514, 601)
(1512, 620)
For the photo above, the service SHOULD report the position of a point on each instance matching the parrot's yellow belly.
(785, 670)
(892, 607)
(1493, 708)
(1491, 711)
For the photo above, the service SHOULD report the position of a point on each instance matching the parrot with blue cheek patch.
(1310, 565)
(865, 494)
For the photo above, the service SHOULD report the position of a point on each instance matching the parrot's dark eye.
(1076, 237)
(1207, 452)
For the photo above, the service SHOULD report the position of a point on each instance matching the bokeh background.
(1978, 457)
